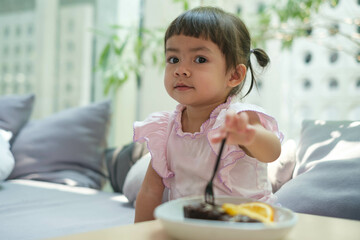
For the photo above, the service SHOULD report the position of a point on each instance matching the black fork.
(209, 192)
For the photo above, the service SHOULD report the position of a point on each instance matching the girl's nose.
(182, 71)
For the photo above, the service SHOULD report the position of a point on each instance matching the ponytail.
(261, 57)
(263, 60)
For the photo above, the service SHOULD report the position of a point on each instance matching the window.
(71, 25)
(69, 87)
(307, 84)
(333, 84)
(259, 84)
(30, 29)
(29, 68)
(238, 9)
(6, 32)
(334, 29)
(18, 31)
(17, 50)
(69, 66)
(308, 31)
(70, 46)
(308, 58)
(29, 48)
(334, 57)
(261, 7)
(17, 68)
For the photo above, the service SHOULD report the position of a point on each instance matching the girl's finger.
(242, 121)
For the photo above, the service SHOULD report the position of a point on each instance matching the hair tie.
(251, 50)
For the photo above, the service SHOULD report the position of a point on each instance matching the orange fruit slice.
(260, 211)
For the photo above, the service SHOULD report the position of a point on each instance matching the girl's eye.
(173, 60)
(200, 60)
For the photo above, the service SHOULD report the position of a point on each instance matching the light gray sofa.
(59, 170)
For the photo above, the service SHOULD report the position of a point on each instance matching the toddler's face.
(195, 72)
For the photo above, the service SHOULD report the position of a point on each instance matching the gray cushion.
(15, 111)
(120, 160)
(326, 178)
(71, 140)
(135, 177)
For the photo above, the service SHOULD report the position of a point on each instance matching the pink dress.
(185, 161)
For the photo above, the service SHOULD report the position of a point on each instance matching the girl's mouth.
(182, 87)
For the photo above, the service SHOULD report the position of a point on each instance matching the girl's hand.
(237, 129)
(245, 129)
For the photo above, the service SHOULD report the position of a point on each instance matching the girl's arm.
(245, 130)
(149, 196)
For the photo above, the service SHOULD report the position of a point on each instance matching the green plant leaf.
(114, 81)
(104, 57)
(119, 50)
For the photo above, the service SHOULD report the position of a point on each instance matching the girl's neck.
(192, 118)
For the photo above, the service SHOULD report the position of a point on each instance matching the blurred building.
(47, 49)
(50, 48)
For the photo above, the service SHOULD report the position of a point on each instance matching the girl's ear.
(237, 76)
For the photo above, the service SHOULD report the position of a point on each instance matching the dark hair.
(224, 29)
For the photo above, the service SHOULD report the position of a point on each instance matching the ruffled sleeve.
(154, 131)
(232, 153)
(266, 120)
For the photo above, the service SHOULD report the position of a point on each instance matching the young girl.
(207, 57)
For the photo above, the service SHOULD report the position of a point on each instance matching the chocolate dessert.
(213, 212)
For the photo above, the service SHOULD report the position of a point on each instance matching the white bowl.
(176, 225)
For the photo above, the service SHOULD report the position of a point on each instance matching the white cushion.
(281, 170)
(135, 177)
(6, 158)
